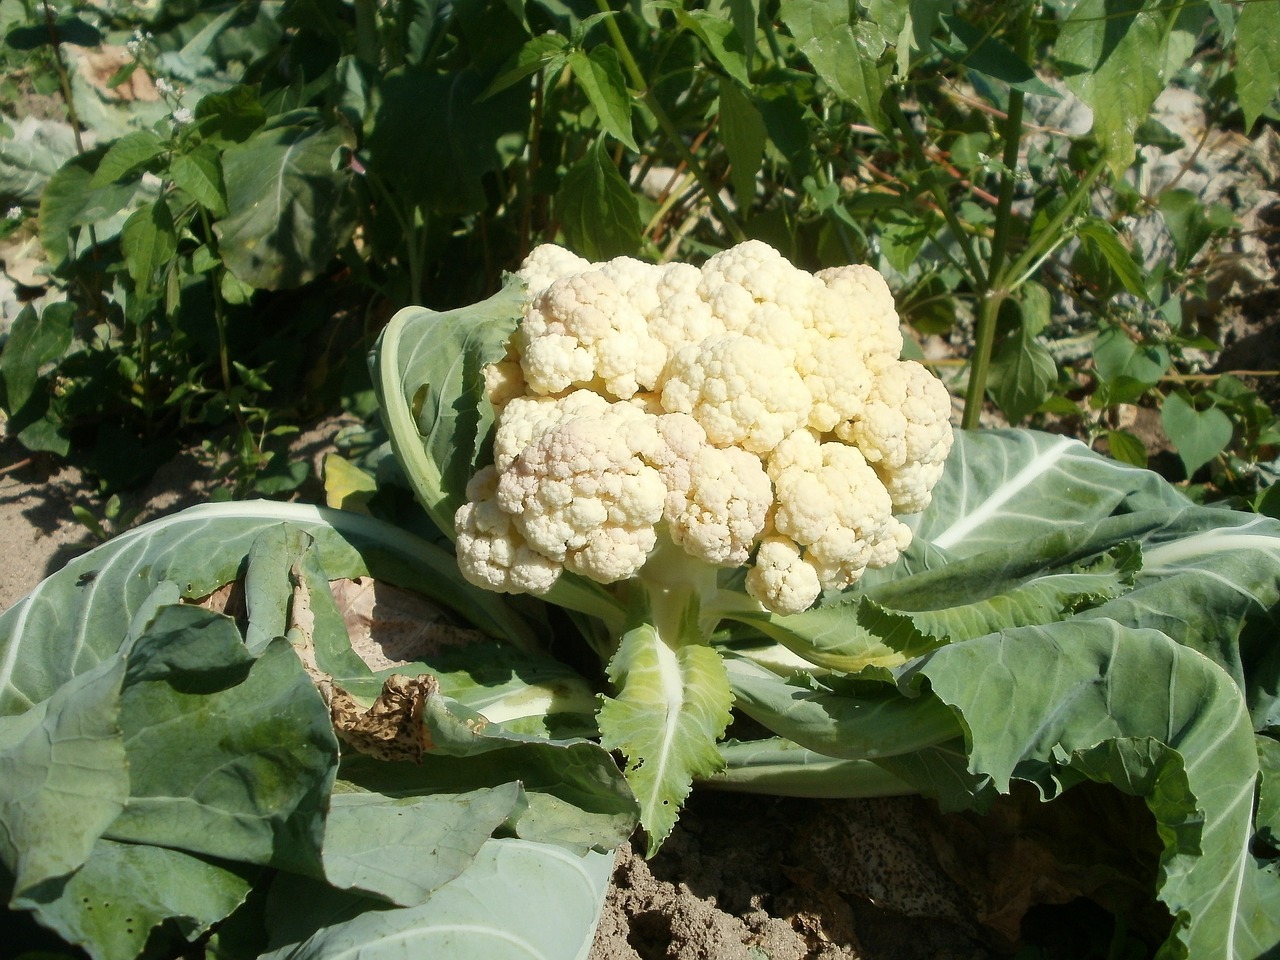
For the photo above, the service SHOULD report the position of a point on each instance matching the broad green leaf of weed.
(538, 53)
(1184, 218)
(148, 241)
(1117, 357)
(1103, 238)
(199, 173)
(1112, 53)
(230, 117)
(1126, 447)
(599, 73)
(68, 202)
(126, 155)
(980, 50)
(743, 131)
(1197, 435)
(598, 212)
(721, 38)
(844, 54)
(1257, 44)
(1023, 373)
(35, 340)
(744, 15)
(433, 141)
(288, 210)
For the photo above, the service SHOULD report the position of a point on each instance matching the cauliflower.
(745, 413)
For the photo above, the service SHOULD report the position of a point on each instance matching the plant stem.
(64, 78)
(1012, 145)
(727, 219)
(220, 321)
(996, 290)
(1050, 235)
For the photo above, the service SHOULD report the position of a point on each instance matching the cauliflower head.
(752, 413)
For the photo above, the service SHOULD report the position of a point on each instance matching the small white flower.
(164, 87)
(13, 213)
(136, 42)
(182, 116)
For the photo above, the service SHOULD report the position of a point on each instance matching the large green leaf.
(1043, 580)
(430, 379)
(743, 131)
(404, 848)
(35, 341)
(1117, 56)
(63, 777)
(88, 606)
(599, 213)
(670, 708)
(434, 141)
(1257, 37)
(288, 209)
(779, 766)
(226, 759)
(838, 717)
(516, 901)
(1030, 528)
(231, 755)
(599, 74)
(113, 904)
(1003, 487)
(574, 795)
(69, 203)
(1148, 715)
(28, 158)
(843, 53)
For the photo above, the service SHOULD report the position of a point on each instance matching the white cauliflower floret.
(584, 330)
(548, 263)
(780, 579)
(525, 419)
(832, 504)
(857, 303)
(717, 499)
(762, 272)
(905, 433)
(736, 389)
(491, 552)
(581, 495)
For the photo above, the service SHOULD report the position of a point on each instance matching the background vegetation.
(243, 192)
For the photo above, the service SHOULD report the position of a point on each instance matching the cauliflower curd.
(751, 412)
